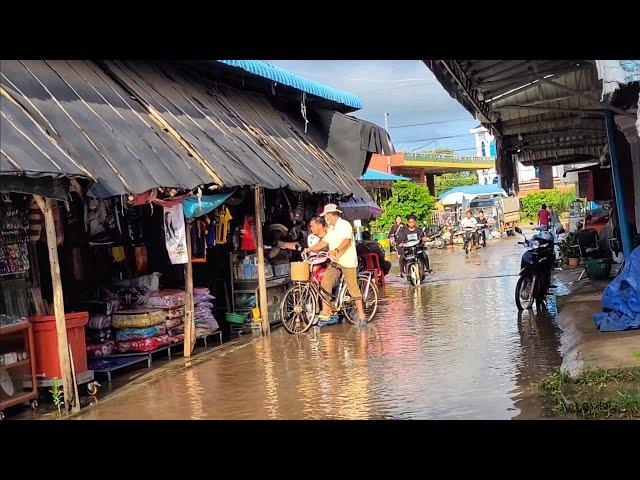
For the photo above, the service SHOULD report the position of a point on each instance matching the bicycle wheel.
(370, 299)
(298, 308)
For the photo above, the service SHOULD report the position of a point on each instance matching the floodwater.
(453, 348)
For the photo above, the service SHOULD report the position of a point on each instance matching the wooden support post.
(189, 320)
(262, 277)
(58, 306)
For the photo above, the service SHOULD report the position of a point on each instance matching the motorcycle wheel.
(414, 274)
(466, 247)
(439, 242)
(525, 292)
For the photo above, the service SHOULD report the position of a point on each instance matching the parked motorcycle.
(414, 265)
(436, 239)
(536, 267)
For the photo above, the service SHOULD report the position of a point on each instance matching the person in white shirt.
(468, 220)
(342, 250)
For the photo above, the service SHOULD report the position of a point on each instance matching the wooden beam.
(262, 277)
(70, 401)
(189, 321)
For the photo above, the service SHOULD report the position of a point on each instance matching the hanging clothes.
(102, 223)
(140, 260)
(211, 232)
(57, 221)
(222, 225)
(248, 240)
(131, 223)
(198, 241)
(36, 220)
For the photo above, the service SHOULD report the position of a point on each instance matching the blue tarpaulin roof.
(475, 190)
(194, 208)
(280, 75)
(376, 176)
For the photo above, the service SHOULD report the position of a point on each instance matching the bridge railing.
(430, 157)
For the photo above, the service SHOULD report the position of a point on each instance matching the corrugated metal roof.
(280, 75)
(112, 122)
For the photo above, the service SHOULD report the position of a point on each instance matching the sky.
(407, 90)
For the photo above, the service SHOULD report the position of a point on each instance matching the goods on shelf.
(138, 318)
(101, 350)
(98, 336)
(143, 345)
(165, 299)
(99, 322)
(140, 333)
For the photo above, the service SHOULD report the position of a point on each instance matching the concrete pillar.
(431, 183)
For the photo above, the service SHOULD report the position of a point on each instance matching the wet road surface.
(453, 348)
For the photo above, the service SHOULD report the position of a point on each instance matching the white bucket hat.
(330, 208)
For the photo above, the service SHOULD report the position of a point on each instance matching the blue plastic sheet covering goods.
(194, 208)
(621, 299)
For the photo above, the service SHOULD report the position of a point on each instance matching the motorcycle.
(436, 239)
(414, 265)
(536, 267)
(482, 233)
(468, 235)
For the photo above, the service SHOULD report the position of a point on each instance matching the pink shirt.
(543, 217)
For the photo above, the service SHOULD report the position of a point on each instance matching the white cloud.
(405, 88)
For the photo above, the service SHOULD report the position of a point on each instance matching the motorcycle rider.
(411, 233)
(482, 222)
(469, 221)
(393, 232)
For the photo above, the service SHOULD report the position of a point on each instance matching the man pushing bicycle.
(342, 251)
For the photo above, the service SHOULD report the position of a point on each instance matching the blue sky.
(407, 90)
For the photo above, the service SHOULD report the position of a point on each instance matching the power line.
(433, 138)
(430, 123)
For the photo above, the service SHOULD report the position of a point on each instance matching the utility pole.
(386, 127)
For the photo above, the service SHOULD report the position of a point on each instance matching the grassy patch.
(637, 353)
(595, 393)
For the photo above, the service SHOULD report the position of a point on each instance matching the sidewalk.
(582, 346)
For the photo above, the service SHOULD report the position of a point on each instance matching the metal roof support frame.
(621, 207)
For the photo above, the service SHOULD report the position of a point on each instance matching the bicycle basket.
(299, 271)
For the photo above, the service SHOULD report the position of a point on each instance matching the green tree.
(556, 199)
(406, 198)
(448, 181)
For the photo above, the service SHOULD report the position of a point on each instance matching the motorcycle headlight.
(535, 244)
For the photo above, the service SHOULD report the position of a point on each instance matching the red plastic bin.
(45, 342)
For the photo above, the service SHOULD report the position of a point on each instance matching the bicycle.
(301, 304)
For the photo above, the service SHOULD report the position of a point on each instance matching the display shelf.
(21, 363)
(26, 331)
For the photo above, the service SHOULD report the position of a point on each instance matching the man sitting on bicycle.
(342, 250)
(318, 228)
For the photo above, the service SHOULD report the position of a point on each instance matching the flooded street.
(454, 348)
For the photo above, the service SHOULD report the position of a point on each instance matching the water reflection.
(452, 348)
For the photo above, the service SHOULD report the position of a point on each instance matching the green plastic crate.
(236, 318)
(597, 268)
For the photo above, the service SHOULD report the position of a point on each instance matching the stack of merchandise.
(175, 324)
(172, 304)
(204, 319)
(99, 333)
(140, 330)
(100, 340)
